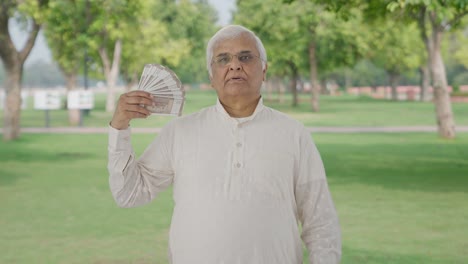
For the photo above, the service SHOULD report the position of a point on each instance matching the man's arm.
(135, 182)
(316, 211)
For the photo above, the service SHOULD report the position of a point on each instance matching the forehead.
(243, 42)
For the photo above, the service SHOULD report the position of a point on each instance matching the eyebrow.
(241, 52)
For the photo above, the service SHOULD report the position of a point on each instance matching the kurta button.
(238, 165)
(239, 144)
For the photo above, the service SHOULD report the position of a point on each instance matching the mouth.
(236, 79)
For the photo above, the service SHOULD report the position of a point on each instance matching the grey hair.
(231, 32)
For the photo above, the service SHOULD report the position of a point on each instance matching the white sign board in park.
(80, 99)
(47, 100)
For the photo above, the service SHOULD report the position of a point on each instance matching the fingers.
(137, 97)
(135, 103)
(138, 101)
(131, 105)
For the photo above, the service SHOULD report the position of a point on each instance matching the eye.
(245, 58)
(223, 60)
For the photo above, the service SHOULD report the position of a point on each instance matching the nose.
(235, 64)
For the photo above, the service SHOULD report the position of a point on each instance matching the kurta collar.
(220, 109)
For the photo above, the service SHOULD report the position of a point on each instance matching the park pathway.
(102, 130)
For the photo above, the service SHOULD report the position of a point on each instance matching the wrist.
(119, 125)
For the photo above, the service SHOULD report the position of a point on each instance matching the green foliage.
(149, 41)
(277, 26)
(446, 14)
(365, 73)
(32, 9)
(26, 13)
(74, 27)
(65, 32)
(461, 79)
(339, 43)
(191, 23)
(175, 33)
(460, 41)
(396, 46)
(288, 29)
(172, 33)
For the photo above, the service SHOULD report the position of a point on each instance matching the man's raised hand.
(129, 106)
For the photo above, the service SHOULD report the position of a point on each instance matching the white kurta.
(240, 188)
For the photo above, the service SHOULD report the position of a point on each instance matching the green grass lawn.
(401, 198)
(335, 111)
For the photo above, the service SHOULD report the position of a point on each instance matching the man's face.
(241, 78)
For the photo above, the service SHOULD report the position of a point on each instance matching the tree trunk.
(348, 79)
(281, 92)
(300, 84)
(426, 69)
(12, 111)
(443, 105)
(293, 82)
(323, 87)
(315, 89)
(111, 71)
(13, 62)
(425, 82)
(73, 114)
(393, 79)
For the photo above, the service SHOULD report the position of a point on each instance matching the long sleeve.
(316, 211)
(132, 181)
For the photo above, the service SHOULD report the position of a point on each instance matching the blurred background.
(381, 85)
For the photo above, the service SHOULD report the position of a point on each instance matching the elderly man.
(244, 175)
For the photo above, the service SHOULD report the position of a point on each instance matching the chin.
(236, 90)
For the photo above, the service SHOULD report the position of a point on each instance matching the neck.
(239, 108)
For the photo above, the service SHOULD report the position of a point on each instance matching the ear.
(265, 71)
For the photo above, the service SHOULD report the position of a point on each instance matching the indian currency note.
(166, 106)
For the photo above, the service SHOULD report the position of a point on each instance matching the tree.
(276, 26)
(196, 23)
(305, 30)
(172, 33)
(154, 45)
(65, 30)
(396, 48)
(191, 23)
(434, 19)
(109, 25)
(31, 13)
(333, 41)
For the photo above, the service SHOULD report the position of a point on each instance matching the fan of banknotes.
(163, 83)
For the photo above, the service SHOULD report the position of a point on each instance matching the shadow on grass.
(420, 167)
(9, 177)
(16, 158)
(35, 155)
